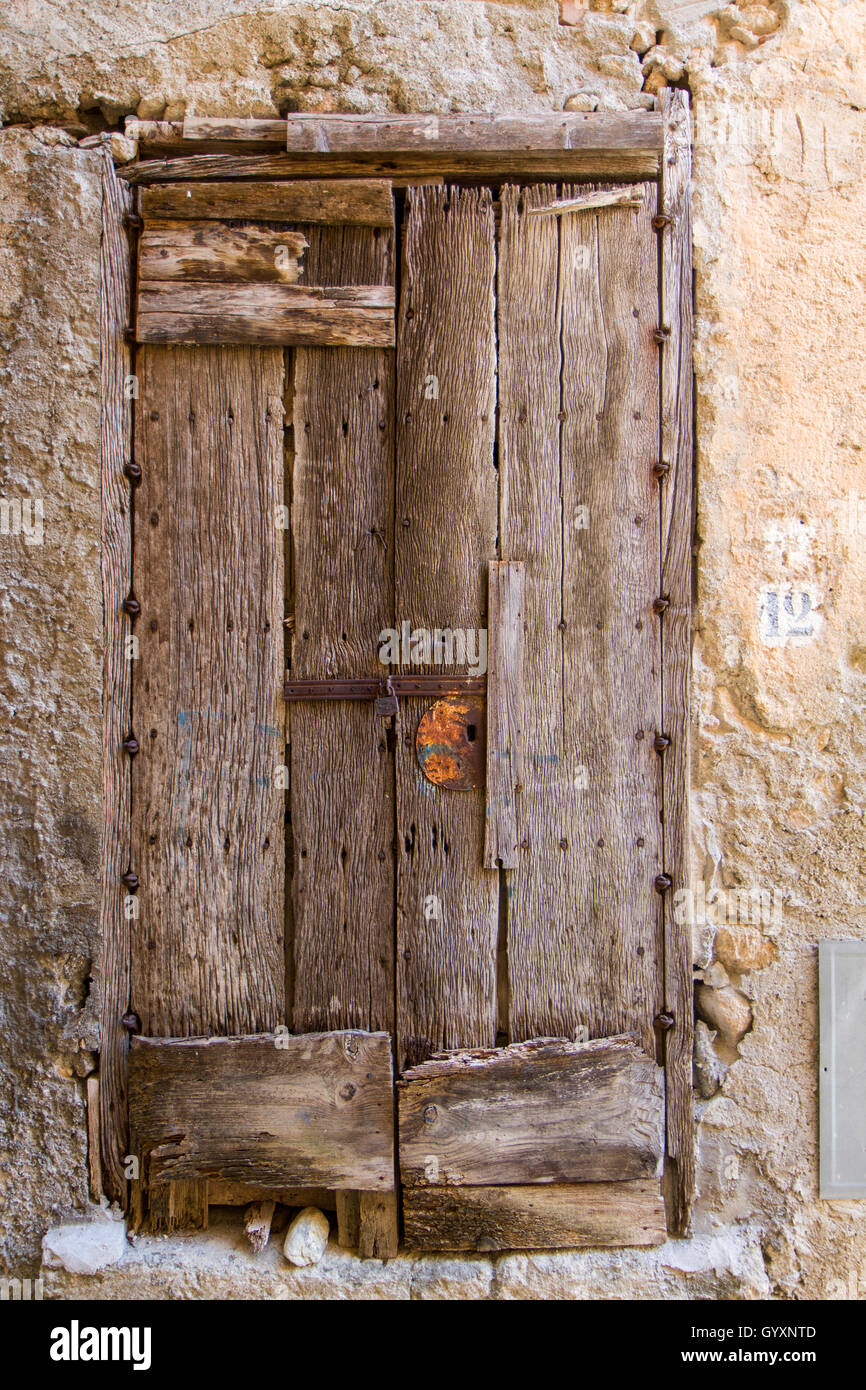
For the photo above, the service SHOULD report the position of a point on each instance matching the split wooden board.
(548, 1111)
(308, 1110)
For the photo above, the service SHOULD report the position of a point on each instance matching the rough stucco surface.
(50, 672)
(779, 97)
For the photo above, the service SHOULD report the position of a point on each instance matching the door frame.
(620, 146)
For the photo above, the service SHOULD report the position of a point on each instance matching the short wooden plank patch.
(547, 1111)
(554, 1217)
(291, 315)
(311, 1110)
(358, 202)
(175, 250)
(504, 711)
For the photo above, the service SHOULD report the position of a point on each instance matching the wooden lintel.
(544, 1217)
(265, 314)
(504, 711)
(353, 202)
(547, 1111)
(310, 1110)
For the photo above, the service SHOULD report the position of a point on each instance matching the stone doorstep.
(218, 1264)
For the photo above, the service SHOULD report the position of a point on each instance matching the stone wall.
(780, 662)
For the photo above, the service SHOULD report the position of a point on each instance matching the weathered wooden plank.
(378, 1225)
(254, 314)
(178, 1206)
(609, 968)
(599, 162)
(207, 813)
(473, 133)
(342, 584)
(588, 202)
(444, 536)
(253, 130)
(505, 621)
(274, 1110)
(94, 1157)
(359, 202)
(175, 250)
(548, 1111)
(531, 529)
(554, 1217)
(586, 520)
(348, 1219)
(116, 565)
(240, 1194)
(257, 1224)
(676, 586)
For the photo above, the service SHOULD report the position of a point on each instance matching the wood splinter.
(257, 1224)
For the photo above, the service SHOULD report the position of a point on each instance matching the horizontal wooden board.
(556, 1217)
(180, 250)
(547, 1111)
(472, 133)
(310, 1110)
(356, 202)
(417, 166)
(291, 315)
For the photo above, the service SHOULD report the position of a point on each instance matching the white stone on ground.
(307, 1237)
(85, 1247)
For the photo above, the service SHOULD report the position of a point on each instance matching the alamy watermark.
(22, 516)
(440, 646)
(700, 906)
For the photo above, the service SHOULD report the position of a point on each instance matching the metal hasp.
(842, 1068)
(374, 688)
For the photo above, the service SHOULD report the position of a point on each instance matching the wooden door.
(444, 422)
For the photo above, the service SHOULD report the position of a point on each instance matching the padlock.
(386, 703)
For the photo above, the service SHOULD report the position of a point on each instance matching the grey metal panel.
(842, 1075)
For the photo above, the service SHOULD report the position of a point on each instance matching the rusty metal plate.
(451, 743)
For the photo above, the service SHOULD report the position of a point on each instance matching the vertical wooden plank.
(530, 369)
(611, 684)
(379, 1227)
(94, 1159)
(504, 711)
(445, 533)
(207, 811)
(676, 586)
(348, 1219)
(342, 790)
(585, 944)
(116, 562)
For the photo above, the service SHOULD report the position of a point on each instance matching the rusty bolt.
(662, 882)
(347, 1091)
(131, 606)
(562, 625)
(132, 220)
(130, 745)
(130, 336)
(563, 844)
(661, 742)
(663, 1022)
(131, 1022)
(661, 335)
(660, 604)
(431, 1114)
(661, 468)
(131, 881)
(660, 222)
(133, 473)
